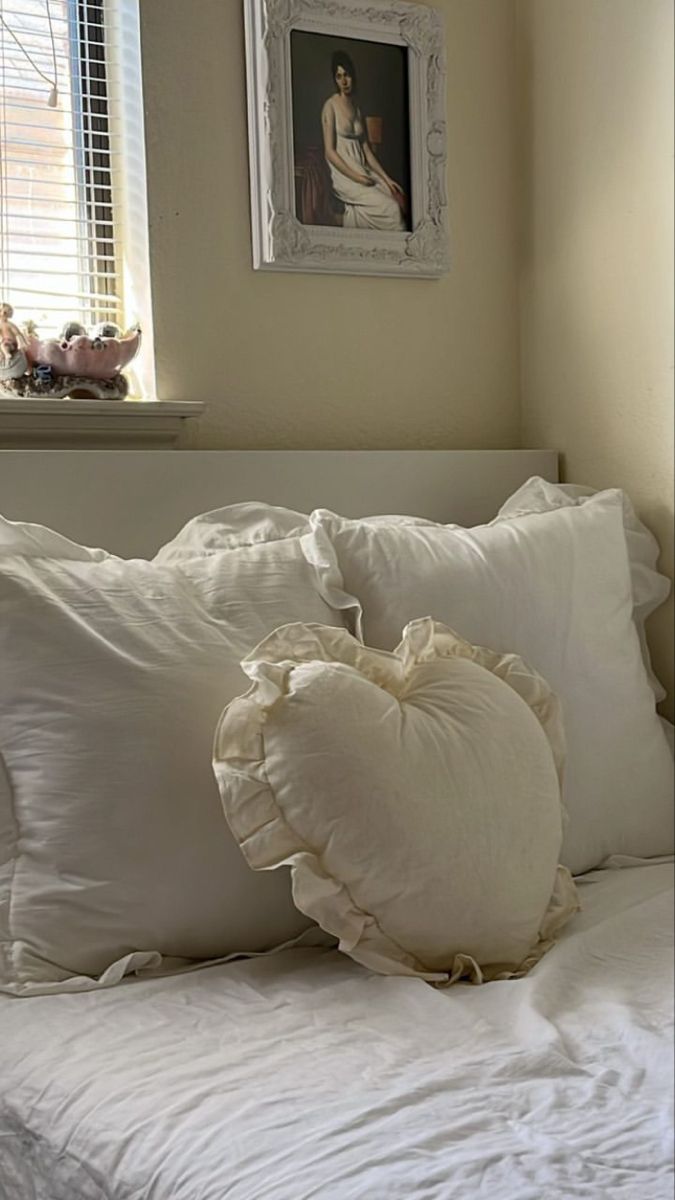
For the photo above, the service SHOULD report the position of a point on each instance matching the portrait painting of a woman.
(371, 198)
(351, 141)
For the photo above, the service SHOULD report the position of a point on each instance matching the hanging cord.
(54, 94)
(52, 99)
(4, 220)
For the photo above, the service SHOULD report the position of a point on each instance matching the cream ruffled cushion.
(415, 795)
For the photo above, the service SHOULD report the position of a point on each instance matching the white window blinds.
(73, 220)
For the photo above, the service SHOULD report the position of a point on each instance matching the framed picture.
(346, 110)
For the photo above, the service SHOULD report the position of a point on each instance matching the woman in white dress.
(371, 198)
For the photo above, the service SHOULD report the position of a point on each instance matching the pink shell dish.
(100, 358)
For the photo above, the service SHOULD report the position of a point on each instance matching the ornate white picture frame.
(283, 242)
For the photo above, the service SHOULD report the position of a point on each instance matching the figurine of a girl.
(13, 346)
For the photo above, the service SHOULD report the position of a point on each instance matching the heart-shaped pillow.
(415, 795)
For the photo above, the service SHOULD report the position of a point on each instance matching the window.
(73, 211)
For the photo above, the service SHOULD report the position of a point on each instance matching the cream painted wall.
(579, 359)
(328, 361)
(597, 252)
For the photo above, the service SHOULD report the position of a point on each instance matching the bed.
(301, 1073)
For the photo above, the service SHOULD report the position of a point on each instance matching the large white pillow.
(114, 855)
(650, 588)
(415, 796)
(554, 587)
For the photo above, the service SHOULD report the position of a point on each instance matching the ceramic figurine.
(92, 358)
(72, 329)
(76, 364)
(106, 329)
(13, 346)
(8, 330)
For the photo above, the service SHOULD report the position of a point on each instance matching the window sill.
(90, 424)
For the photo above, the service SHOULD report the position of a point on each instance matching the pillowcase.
(415, 796)
(114, 855)
(649, 587)
(554, 587)
(236, 525)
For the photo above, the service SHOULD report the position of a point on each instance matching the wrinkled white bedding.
(303, 1075)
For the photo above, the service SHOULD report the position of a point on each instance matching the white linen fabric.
(114, 855)
(230, 528)
(650, 587)
(304, 1075)
(555, 588)
(415, 796)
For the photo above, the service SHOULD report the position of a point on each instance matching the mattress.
(303, 1075)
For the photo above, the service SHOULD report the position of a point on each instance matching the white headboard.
(130, 502)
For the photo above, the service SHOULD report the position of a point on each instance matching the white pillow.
(554, 587)
(245, 524)
(650, 587)
(415, 796)
(114, 855)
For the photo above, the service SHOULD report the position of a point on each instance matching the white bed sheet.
(303, 1075)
